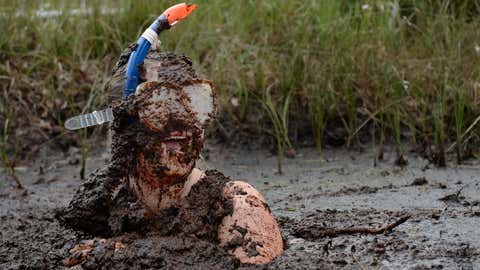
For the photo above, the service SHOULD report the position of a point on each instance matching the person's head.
(173, 119)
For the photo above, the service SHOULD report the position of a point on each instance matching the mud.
(158, 66)
(178, 237)
(89, 210)
(344, 190)
(439, 235)
(152, 251)
(202, 211)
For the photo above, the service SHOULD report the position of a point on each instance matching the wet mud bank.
(340, 190)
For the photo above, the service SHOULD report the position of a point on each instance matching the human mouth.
(176, 141)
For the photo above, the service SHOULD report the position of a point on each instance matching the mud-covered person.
(158, 134)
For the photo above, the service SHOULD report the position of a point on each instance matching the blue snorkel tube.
(144, 43)
(165, 21)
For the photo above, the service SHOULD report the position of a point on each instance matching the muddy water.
(342, 189)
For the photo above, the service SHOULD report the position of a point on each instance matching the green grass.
(7, 161)
(298, 69)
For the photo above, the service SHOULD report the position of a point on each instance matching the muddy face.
(169, 160)
(173, 119)
(174, 133)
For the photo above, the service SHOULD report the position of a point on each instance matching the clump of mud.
(201, 212)
(89, 210)
(178, 237)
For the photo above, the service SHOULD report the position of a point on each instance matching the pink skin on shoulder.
(262, 240)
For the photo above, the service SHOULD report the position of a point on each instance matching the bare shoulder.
(238, 187)
(252, 222)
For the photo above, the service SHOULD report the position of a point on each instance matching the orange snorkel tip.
(178, 12)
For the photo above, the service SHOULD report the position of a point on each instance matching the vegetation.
(330, 71)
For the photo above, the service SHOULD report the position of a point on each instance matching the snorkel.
(149, 38)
